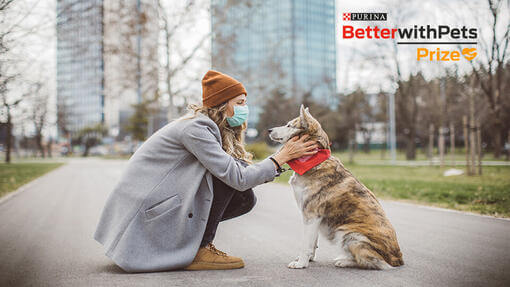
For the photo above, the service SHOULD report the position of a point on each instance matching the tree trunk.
(472, 147)
(431, 142)
(479, 146)
(508, 147)
(69, 144)
(441, 146)
(48, 147)
(498, 125)
(497, 128)
(430, 149)
(384, 145)
(466, 143)
(366, 144)
(38, 139)
(352, 142)
(171, 107)
(86, 152)
(411, 146)
(452, 142)
(8, 138)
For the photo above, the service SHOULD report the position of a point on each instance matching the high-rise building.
(80, 65)
(106, 61)
(285, 44)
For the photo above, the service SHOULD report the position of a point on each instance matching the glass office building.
(105, 62)
(285, 44)
(80, 68)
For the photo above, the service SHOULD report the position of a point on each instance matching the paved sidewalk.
(46, 240)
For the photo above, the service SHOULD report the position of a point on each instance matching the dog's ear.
(323, 139)
(302, 117)
(307, 112)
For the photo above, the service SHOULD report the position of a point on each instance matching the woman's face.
(237, 101)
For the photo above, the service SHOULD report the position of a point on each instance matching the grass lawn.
(460, 155)
(15, 175)
(487, 194)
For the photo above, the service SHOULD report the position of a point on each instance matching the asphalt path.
(46, 240)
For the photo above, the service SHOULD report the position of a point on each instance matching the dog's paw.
(296, 264)
(342, 263)
(312, 257)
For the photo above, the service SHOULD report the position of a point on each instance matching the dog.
(333, 202)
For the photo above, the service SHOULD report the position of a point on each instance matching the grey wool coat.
(155, 217)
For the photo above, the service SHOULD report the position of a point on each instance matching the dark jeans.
(227, 203)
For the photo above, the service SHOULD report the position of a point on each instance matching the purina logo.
(416, 35)
(365, 16)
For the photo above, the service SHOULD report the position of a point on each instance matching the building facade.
(276, 44)
(80, 65)
(106, 61)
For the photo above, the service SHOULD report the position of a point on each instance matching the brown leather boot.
(210, 258)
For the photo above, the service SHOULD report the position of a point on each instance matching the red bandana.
(304, 163)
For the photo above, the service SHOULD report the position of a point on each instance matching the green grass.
(15, 175)
(460, 155)
(487, 194)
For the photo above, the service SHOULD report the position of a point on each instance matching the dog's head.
(304, 124)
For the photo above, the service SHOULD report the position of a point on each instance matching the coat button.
(190, 215)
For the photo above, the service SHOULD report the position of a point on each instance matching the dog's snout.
(269, 130)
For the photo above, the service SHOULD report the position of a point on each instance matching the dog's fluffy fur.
(334, 202)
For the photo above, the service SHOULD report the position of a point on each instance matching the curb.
(445, 209)
(26, 186)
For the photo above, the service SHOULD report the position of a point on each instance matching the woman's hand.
(294, 148)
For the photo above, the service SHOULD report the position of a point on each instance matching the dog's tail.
(397, 260)
(366, 257)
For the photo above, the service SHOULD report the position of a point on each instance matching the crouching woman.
(183, 180)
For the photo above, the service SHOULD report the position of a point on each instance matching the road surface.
(46, 240)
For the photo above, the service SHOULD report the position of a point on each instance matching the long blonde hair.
(232, 138)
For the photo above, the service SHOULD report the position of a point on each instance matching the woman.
(183, 180)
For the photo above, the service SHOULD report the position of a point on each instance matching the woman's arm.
(294, 148)
(198, 137)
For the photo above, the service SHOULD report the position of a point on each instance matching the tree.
(328, 118)
(381, 115)
(7, 106)
(39, 111)
(393, 62)
(137, 125)
(22, 45)
(276, 111)
(63, 114)
(489, 70)
(90, 136)
(407, 111)
(5, 79)
(351, 109)
(172, 24)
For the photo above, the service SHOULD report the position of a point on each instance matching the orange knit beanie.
(218, 88)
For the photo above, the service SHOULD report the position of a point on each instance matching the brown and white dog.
(334, 202)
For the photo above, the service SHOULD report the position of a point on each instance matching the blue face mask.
(240, 116)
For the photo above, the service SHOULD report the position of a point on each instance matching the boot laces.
(213, 248)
